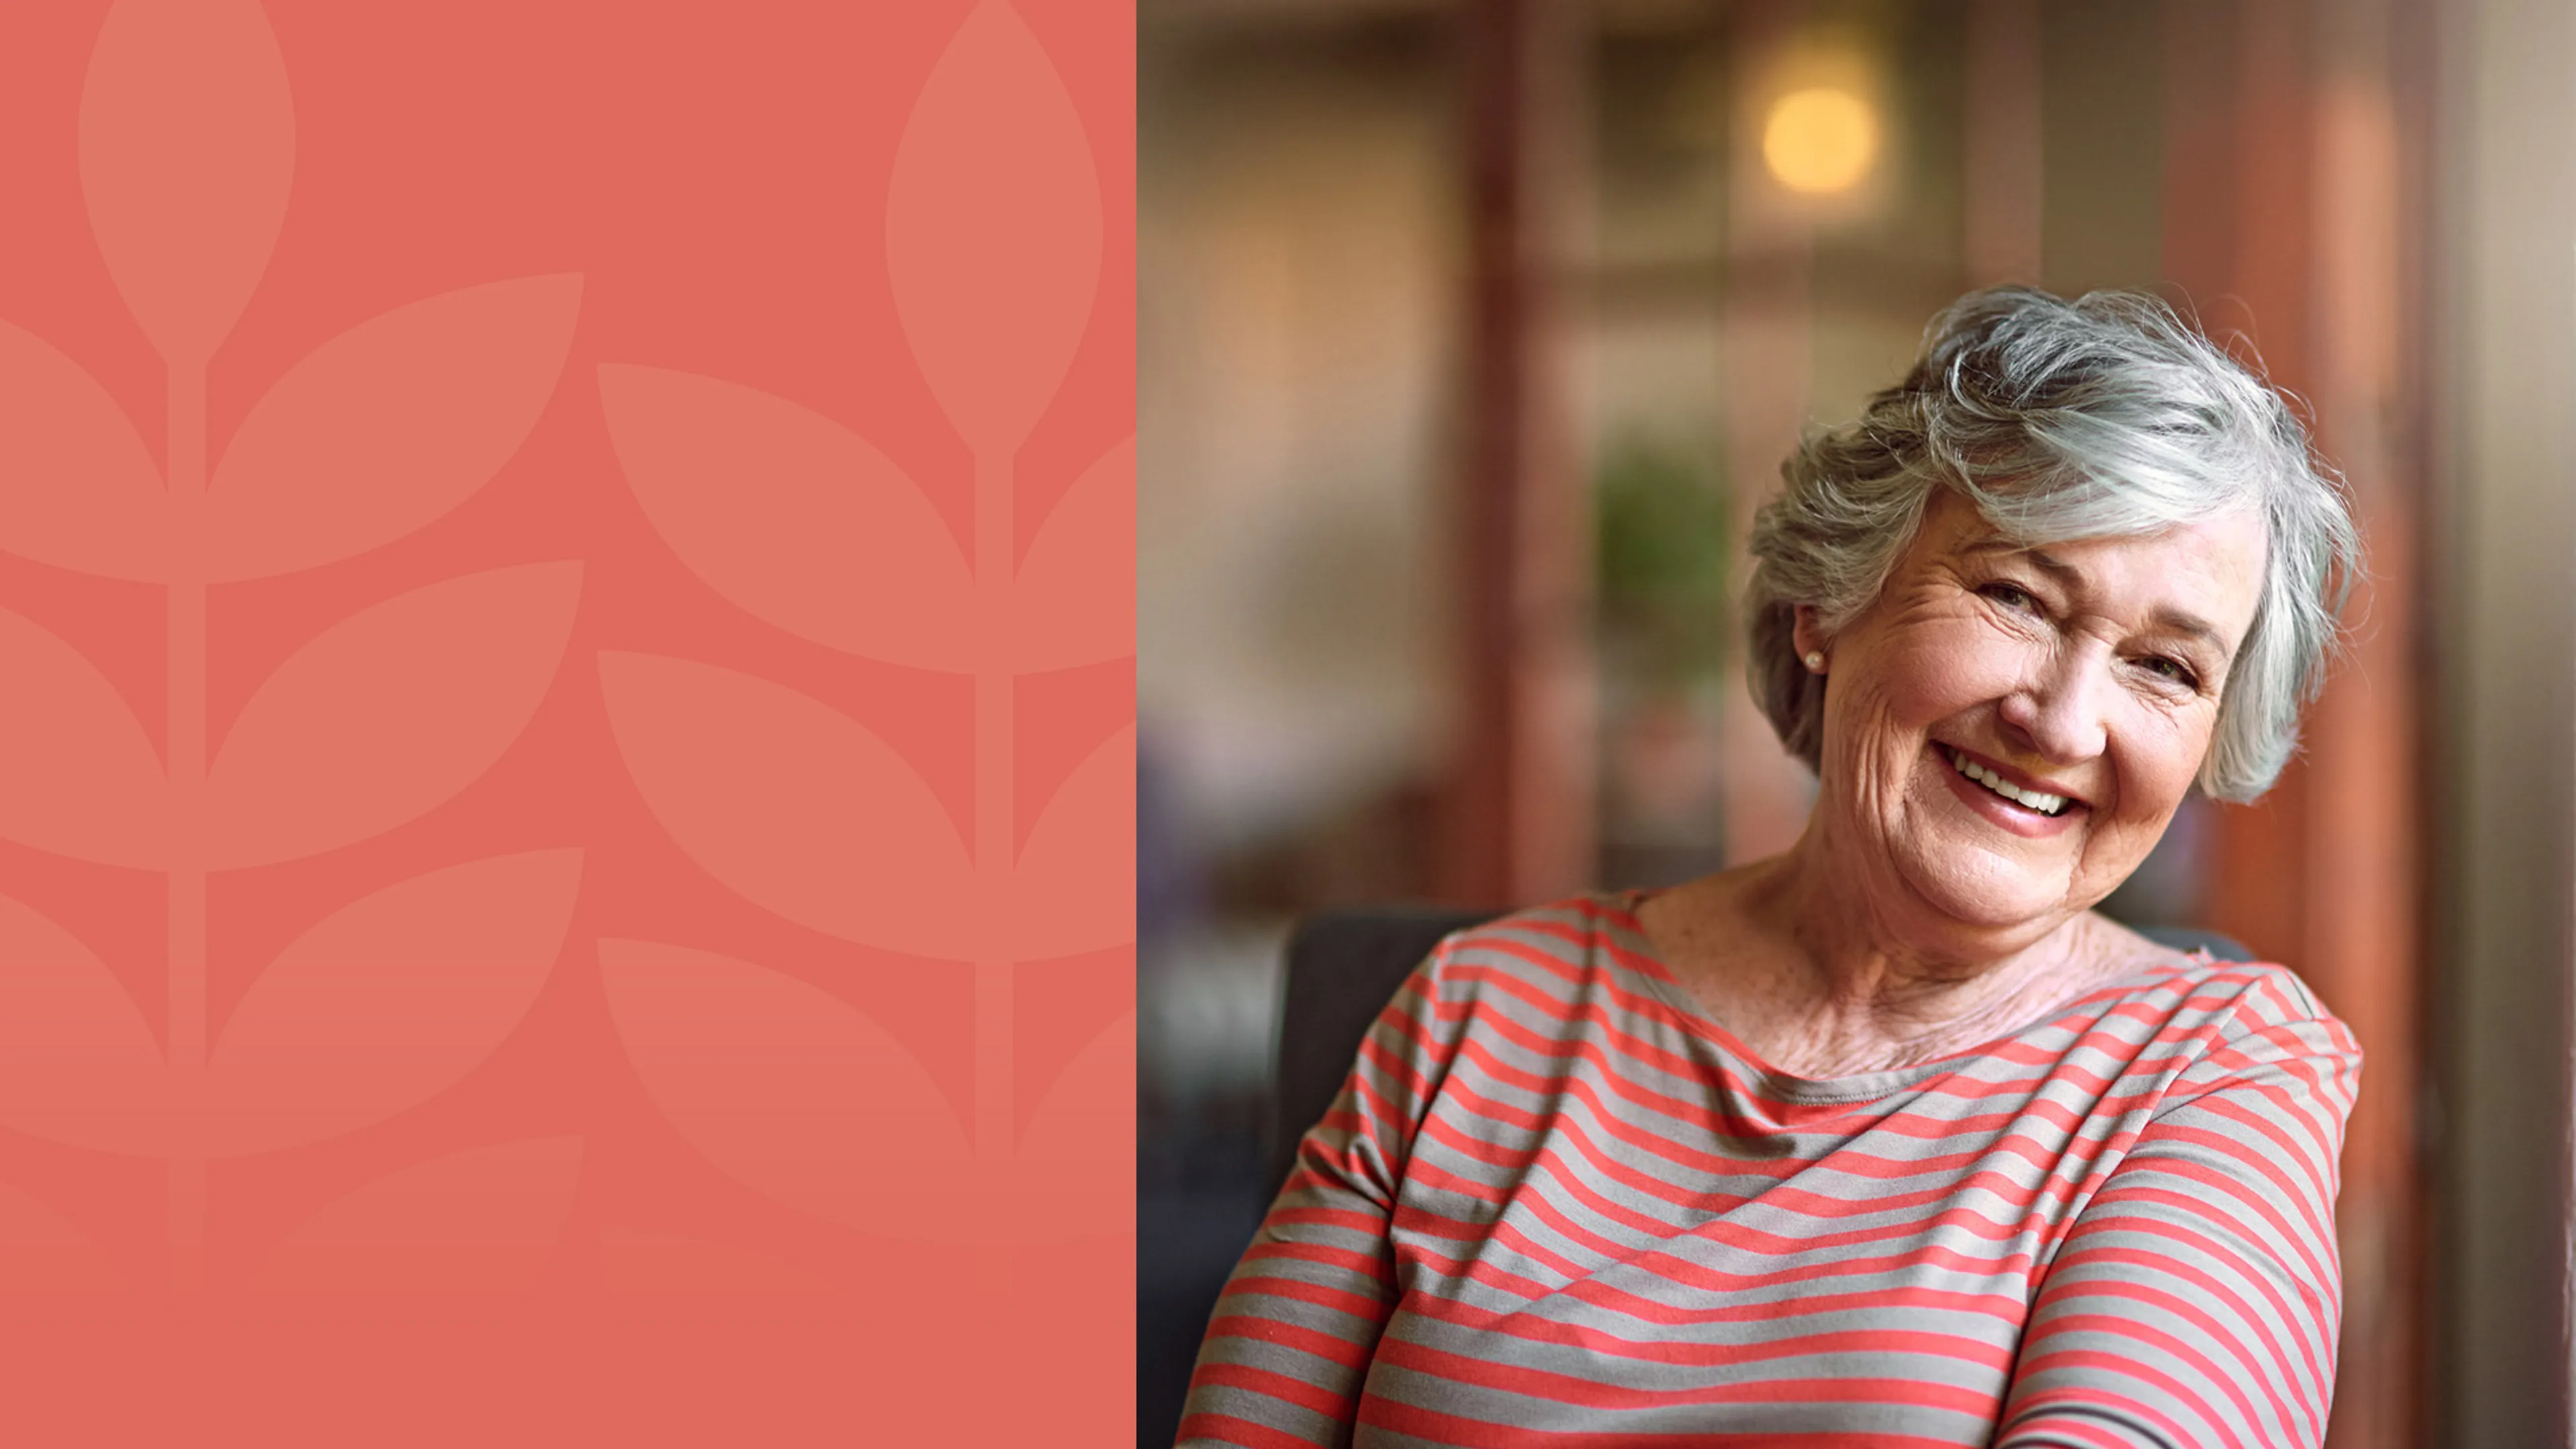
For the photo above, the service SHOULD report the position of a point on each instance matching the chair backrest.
(1343, 966)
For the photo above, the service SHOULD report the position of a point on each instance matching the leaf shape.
(388, 713)
(793, 517)
(83, 493)
(481, 1221)
(187, 150)
(654, 1260)
(388, 1001)
(792, 804)
(77, 775)
(1074, 601)
(1075, 886)
(1074, 1176)
(42, 1253)
(993, 229)
(387, 426)
(78, 1064)
(795, 1093)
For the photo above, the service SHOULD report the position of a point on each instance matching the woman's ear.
(1807, 631)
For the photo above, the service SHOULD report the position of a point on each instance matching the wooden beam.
(1766, 326)
(2002, 142)
(1519, 816)
(2283, 223)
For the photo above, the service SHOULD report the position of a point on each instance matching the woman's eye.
(2011, 596)
(2173, 669)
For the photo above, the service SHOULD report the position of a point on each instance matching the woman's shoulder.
(1555, 945)
(2259, 993)
(2243, 1011)
(1572, 926)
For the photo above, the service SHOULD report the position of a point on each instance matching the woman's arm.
(1289, 1345)
(2196, 1300)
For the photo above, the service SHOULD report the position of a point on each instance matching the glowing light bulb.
(1820, 140)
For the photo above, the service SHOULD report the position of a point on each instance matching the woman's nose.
(2060, 708)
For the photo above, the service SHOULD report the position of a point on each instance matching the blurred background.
(1472, 332)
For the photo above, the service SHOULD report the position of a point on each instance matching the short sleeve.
(2197, 1298)
(1289, 1345)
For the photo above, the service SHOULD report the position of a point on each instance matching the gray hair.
(2106, 416)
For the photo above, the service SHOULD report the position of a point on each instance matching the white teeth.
(2040, 801)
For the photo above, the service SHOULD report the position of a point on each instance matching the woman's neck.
(1797, 964)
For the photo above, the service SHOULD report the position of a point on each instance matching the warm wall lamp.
(1820, 141)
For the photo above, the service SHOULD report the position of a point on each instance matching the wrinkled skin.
(1919, 914)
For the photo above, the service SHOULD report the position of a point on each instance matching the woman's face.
(2081, 678)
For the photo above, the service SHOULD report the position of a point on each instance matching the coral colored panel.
(566, 722)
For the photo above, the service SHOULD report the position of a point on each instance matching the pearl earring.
(1816, 662)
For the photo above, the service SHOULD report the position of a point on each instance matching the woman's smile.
(2009, 727)
(2005, 796)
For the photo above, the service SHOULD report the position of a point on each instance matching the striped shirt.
(1556, 1205)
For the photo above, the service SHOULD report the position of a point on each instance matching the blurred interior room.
(1470, 335)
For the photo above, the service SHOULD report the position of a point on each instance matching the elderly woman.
(1888, 1140)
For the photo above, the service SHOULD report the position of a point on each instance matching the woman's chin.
(1988, 894)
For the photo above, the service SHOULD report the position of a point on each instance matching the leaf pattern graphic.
(78, 1064)
(186, 157)
(993, 229)
(1074, 889)
(655, 1260)
(789, 802)
(388, 1002)
(187, 147)
(481, 1221)
(792, 516)
(42, 1253)
(388, 713)
(82, 492)
(77, 775)
(1074, 1175)
(387, 426)
(793, 1092)
(1074, 601)
(993, 237)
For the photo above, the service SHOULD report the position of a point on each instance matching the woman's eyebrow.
(2182, 621)
(2166, 618)
(2048, 563)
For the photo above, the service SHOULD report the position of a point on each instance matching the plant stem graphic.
(187, 841)
(993, 824)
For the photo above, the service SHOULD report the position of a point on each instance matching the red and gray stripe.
(1556, 1205)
